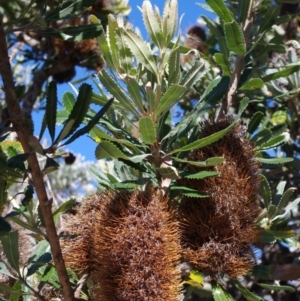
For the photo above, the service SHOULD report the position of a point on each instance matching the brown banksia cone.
(217, 231)
(136, 248)
(78, 236)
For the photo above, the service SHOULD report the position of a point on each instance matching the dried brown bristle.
(136, 248)
(217, 231)
(78, 230)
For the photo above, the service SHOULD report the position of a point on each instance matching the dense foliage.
(197, 143)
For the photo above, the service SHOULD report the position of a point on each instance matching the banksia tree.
(217, 230)
(213, 176)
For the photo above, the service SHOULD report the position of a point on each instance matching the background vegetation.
(145, 110)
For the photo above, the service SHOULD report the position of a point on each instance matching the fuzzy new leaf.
(170, 19)
(140, 50)
(153, 23)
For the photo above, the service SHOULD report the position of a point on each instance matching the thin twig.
(37, 176)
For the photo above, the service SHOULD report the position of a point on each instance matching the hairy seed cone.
(134, 247)
(78, 241)
(217, 231)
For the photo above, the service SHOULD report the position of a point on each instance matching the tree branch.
(37, 177)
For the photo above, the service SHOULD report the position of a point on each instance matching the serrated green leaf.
(215, 91)
(203, 141)
(125, 56)
(219, 7)
(51, 106)
(277, 287)
(86, 129)
(100, 134)
(279, 192)
(255, 122)
(193, 75)
(224, 46)
(265, 191)
(147, 130)
(253, 83)
(275, 160)
(134, 91)
(116, 90)
(189, 192)
(235, 38)
(174, 66)
(10, 248)
(272, 211)
(78, 112)
(223, 63)
(285, 198)
(172, 95)
(246, 293)
(202, 175)
(140, 50)
(112, 41)
(273, 142)
(40, 256)
(209, 162)
(262, 136)
(68, 101)
(107, 149)
(153, 24)
(170, 19)
(282, 73)
(168, 172)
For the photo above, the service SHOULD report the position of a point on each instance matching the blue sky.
(191, 11)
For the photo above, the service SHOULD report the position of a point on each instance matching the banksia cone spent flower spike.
(78, 230)
(217, 231)
(136, 248)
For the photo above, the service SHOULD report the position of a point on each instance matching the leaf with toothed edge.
(140, 50)
(78, 112)
(147, 130)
